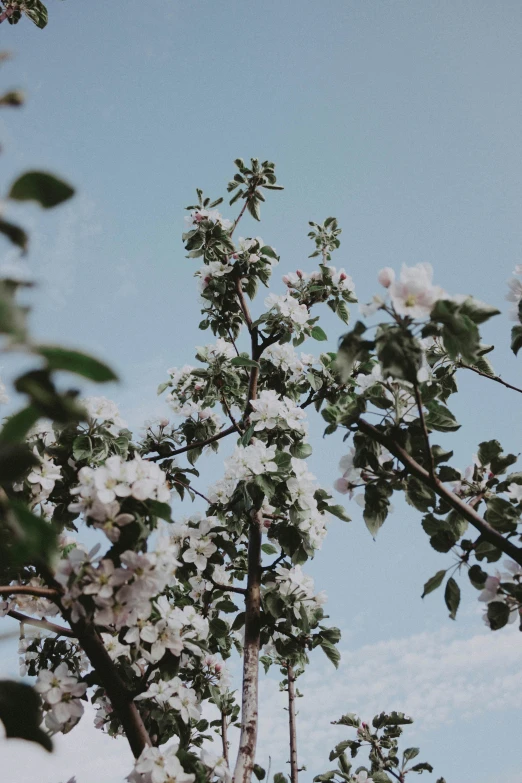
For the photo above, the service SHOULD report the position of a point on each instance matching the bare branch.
(496, 378)
(39, 592)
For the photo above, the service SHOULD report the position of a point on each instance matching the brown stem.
(243, 305)
(224, 739)
(226, 406)
(429, 455)
(39, 592)
(249, 709)
(118, 694)
(58, 629)
(229, 588)
(196, 445)
(496, 378)
(6, 14)
(487, 532)
(294, 769)
(236, 221)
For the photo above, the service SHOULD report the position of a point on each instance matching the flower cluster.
(175, 695)
(272, 410)
(245, 462)
(43, 477)
(157, 765)
(199, 217)
(515, 292)
(102, 489)
(288, 309)
(298, 591)
(285, 358)
(302, 490)
(104, 410)
(61, 693)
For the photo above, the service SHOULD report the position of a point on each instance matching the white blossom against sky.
(402, 119)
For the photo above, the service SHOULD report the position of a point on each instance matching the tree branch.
(57, 629)
(480, 524)
(224, 739)
(230, 588)
(196, 445)
(39, 592)
(6, 14)
(496, 378)
(294, 768)
(120, 697)
(249, 709)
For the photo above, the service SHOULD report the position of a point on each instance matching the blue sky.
(402, 119)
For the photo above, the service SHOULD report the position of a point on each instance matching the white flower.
(163, 765)
(369, 309)
(414, 293)
(289, 307)
(185, 701)
(46, 474)
(515, 492)
(103, 409)
(114, 647)
(61, 691)
(217, 765)
(362, 777)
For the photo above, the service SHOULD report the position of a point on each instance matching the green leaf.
(516, 339)
(74, 361)
(440, 418)
(339, 512)
(34, 537)
(15, 460)
(477, 577)
(160, 510)
(399, 353)
(243, 361)
(162, 387)
(380, 777)
(459, 332)
(410, 753)
(300, 450)
(452, 597)
(21, 713)
(37, 13)
(269, 549)
(46, 189)
(498, 615)
(479, 312)
(331, 652)
(280, 778)
(501, 514)
(318, 334)
(18, 425)
(419, 495)
(434, 582)
(14, 233)
(219, 628)
(376, 506)
(350, 719)
(352, 348)
(259, 772)
(424, 767)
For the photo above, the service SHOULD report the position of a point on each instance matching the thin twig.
(57, 629)
(190, 488)
(495, 378)
(429, 455)
(230, 588)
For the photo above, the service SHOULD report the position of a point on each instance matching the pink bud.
(342, 276)
(286, 280)
(299, 273)
(164, 422)
(386, 276)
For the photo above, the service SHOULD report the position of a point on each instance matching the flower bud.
(386, 276)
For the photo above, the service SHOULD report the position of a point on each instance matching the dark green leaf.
(318, 334)
(21, 713)
(300, 450)
(14, 233)
(516, 339)
(452, 597)
(15, 460)
(399, 353)
(243, 361)
(440, 418)
(18, 425)
(434, 582)
(46, 189)
(498, 615)
(74, 361)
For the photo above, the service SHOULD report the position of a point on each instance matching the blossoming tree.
(142, 621)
